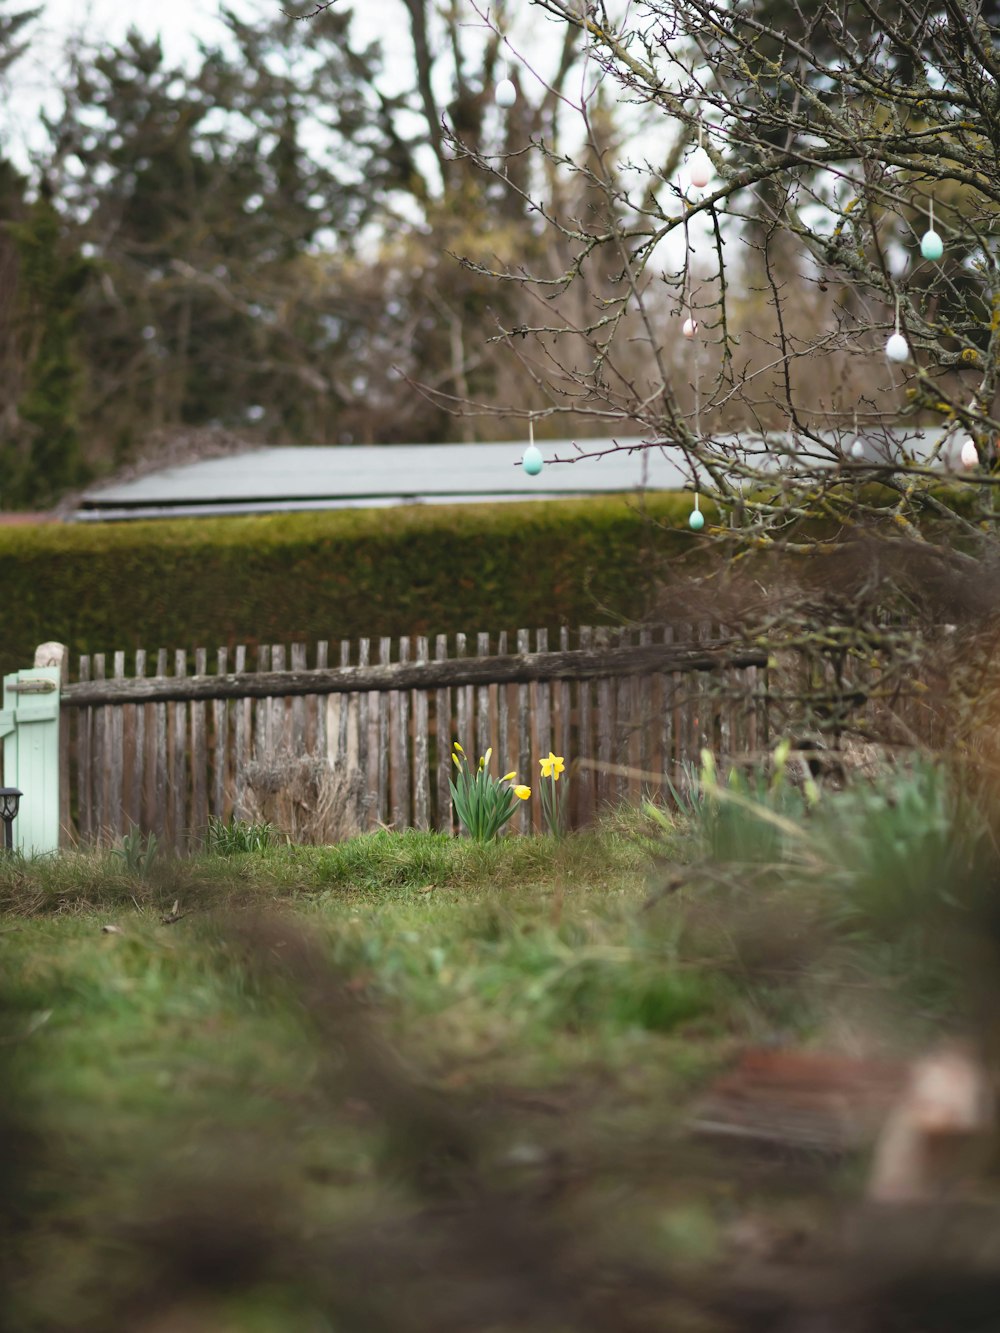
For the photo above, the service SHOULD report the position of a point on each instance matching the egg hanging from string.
(505, 94)
(699, 169)
(897, 348)
(531, 460)
(931, 245)
(696, 520)
(857, 451)
(690, 327)
(969, 454)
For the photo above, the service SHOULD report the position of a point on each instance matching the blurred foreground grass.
(410, 1081)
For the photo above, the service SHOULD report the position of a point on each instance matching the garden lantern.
(10, 799)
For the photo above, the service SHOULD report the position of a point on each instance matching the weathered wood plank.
(463, 707)
(199, 756)
(100, 760)
(399, 747)
(421, 748)
(624, 725)
(583, 778)
(84, 766)
(605, 725)
(562, 716)
(321, 740)
(262, 730)
(137, 778)
(220, 729)
(543, 708)
(242, 733)
(506, 744)
(297, 710)
(382, 708)
(278, 703)
(524, 817)
(443, 735)
(482, 698)
(368, 737)
(178, 761)
(159, 821)
(464, 673)
(115, 740)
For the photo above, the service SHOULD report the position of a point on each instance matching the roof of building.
(354, 476)
(365, 476)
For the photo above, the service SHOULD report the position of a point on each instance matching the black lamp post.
(10, 799)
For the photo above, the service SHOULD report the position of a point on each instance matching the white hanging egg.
(970, 454)
(699, 168)
(696, 520)
(531, 460)
(857, 450)
(690, 327)
(505, 94)
(931, 245)
(897, 349)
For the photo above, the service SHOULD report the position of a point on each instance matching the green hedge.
(343, 574)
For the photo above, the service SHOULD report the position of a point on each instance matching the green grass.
(329, 1056)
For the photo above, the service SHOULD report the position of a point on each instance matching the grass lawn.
(404, 1082)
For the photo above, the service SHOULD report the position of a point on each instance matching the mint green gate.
(29, 728)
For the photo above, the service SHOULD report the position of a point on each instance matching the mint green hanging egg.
(931, 245)
(696, 520)
(531, 460)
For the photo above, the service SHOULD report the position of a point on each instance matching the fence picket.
(159, 765)
(382, 708)
(524, 816)
(242, 738)
(421, 749)
(101, 758)
(463, 708)
(137, 786)
(482, 697)
(443, 736)
(199, 755)
(297, 712)
(84, 767)
(583, 778)
(220, 728)
(178, 759)
(368, 737)
(605, 727)
(321, 744)
(399, 747)
(114, 739)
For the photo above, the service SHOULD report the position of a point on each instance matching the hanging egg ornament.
(506, 94)
(970, 454)
(857, 450)
(531, 460)
(897, 349)
(699, 168)
(931, 245)
(696, 520)
(690, 327)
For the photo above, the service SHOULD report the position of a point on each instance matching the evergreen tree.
(46, 461)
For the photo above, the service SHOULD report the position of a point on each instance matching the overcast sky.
(179, 23)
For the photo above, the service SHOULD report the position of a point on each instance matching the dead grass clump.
(304, 797)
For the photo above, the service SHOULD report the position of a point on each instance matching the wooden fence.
(165, 748)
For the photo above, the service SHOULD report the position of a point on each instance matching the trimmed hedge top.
(336, 574)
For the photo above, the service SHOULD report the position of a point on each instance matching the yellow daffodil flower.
(455, 760)
(522, 793)
(552, 766)
(459, 748)
(508, 777)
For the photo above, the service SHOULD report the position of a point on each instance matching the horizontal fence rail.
(357, 735)
(507, 670)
